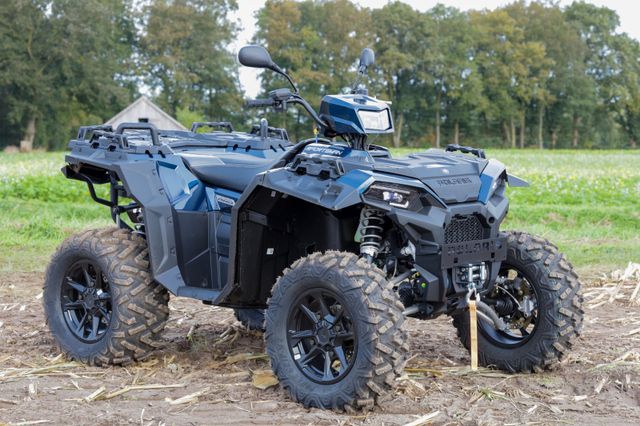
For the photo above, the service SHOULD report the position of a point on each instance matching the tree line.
(523, 75)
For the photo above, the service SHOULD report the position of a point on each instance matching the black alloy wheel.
(100, 301)
(334, 332)
(514, 299)
(86, 301)
(321, 336)
(538, 296)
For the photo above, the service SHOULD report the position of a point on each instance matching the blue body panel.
(341, 112)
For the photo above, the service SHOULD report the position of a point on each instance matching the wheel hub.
(514, 301)
(324, 336)
(90, 299)
(321, 336)
(85, 301)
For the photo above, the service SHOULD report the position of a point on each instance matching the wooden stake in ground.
(473, 329)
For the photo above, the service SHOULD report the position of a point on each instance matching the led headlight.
(400, 196)
(498, 187)
(375, 120)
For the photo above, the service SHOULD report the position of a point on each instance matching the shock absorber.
(371, 228)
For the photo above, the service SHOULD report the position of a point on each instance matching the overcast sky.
(628, 10)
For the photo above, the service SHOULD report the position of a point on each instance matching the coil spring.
(371, 228)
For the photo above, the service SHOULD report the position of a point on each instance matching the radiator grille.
(464, 228)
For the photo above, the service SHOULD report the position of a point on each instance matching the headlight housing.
(498, 187)
(400, 196)
(377, 121)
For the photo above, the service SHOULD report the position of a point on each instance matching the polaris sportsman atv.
(328, 243)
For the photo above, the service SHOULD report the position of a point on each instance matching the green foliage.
(30, 230)
(37, 177)
(187, 117)
(525, 74)
(318, 43)
(184, 56)
(67, 63)
(61, 60)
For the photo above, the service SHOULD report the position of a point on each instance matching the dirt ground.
(208, 353)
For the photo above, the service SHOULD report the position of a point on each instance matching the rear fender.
(141, 175)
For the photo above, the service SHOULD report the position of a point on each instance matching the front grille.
(464, 228)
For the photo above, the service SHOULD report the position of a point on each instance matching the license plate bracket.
(471, 252)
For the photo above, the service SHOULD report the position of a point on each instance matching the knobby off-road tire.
(139, 305)
(559, 304)
(371, 313)
(253, 319)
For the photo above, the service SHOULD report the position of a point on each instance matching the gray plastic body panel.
(469, 177)
(334, 178)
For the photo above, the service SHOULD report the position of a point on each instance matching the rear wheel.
(334, 332)
(251, 318)
(100, 302)
(538, 296)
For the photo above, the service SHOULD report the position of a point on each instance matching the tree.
(495, 34)
(625, 87)
(60, 60)
(596, 26)
(318, 43)
(448, 67)
(400, 33)
(184, 56)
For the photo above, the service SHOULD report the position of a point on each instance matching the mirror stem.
(295, 88)
(279, 70)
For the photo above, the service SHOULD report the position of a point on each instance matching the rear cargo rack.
(84, 130)
(98, 136)
(270, 132)
(212, 124)
(153, 130)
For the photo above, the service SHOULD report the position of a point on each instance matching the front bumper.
(440, 254)
(472, 252)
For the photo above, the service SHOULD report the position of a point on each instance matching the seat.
(230, 170)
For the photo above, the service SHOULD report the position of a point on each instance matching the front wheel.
(334, 332)
(538, 296)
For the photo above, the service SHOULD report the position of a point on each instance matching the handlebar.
(279, 99)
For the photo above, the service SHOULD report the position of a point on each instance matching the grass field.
(587, 202)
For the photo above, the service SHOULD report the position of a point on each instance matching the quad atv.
(328, 243)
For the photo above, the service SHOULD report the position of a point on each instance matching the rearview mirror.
(255, 57)
(367, 58)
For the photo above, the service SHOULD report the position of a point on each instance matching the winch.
(472, 275)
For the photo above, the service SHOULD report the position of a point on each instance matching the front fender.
(516, 182)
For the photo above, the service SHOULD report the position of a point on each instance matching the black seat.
(231, 170)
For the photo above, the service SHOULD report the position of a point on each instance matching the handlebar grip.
(257, 103)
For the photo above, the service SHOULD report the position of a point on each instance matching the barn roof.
(143, 103)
